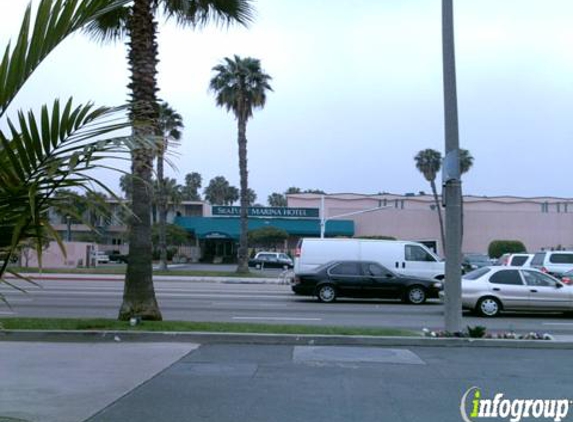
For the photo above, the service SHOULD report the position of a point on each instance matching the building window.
(558, 207)
(545, 207)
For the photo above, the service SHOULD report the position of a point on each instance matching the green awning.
(228, 227)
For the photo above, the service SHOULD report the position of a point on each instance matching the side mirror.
(558, 285)
(388, 275)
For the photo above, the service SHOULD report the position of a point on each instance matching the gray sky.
(358, 92)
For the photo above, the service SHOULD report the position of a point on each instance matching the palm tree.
(170, 125)
(429, 162)
(240, 86)
(137, 22)
(39, 156)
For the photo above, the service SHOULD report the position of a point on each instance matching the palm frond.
(36, 161)
(198, 13)
(54, 21)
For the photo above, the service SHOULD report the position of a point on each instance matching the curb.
(270, 339)
(192, 279)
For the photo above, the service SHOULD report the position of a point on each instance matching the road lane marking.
(278, 318)
(265, 305)
(565, 324)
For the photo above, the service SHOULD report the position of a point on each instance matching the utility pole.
(452, 181)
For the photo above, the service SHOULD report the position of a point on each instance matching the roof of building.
(229, 227)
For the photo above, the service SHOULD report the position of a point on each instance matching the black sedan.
(364, 279)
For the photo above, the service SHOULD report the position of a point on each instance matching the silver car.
(490, 290)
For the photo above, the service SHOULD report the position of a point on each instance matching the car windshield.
(475, 274)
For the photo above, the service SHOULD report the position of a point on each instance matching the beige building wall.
(543, 222)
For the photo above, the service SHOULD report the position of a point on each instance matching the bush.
(498, 247)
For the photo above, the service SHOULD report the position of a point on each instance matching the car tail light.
(297, 252)
(566, 280)
(296, 280)
(544, 270)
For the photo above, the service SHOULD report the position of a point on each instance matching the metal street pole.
(452, 181)
(322, 217)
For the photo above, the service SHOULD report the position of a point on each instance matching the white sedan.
(490, 290)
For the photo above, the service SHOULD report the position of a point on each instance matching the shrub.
(498, 247)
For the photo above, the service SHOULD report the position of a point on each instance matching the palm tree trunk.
(243, 247)
(439, 210)
(162, 205)
(139, 295)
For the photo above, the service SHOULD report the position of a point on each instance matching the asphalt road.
(265, 303)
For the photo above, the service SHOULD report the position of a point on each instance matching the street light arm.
(357, 212)
(324, 219)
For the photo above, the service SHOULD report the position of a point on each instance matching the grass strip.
(186, 326)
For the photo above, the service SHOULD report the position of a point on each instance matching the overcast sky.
(357, 93)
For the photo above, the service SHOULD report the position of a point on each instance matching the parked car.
(101, 257)
(271, 260)
(491, 290)
(471, 261)
(365, 279)
(516, 259)
(117, 256)
(553, 262)
(567, 278)
(403, 257)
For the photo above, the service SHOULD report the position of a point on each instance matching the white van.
(403, 257)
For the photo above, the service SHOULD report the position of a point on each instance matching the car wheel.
(326, 293)
(488, 307)
(415, 295)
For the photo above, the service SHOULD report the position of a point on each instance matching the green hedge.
(498, 247)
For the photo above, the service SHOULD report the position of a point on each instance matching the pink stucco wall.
(537, 222)
(52, 257)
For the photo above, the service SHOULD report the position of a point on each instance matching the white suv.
(553, 262)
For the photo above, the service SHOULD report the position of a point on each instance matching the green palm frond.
(197, 13)
(54, 20)
(56, 150)
(111, 26)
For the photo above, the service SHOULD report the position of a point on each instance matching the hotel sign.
(229, 211)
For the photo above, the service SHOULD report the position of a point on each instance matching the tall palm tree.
(429, 163)
(240, 85)
(170, 126)
(137, 22)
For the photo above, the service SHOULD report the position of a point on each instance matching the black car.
(363, 279)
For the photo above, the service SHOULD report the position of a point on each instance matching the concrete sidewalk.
(69, 382)
(118, 382)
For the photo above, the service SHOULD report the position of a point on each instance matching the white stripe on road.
(7, 313)
(565, 324)
(278, 318)
(264, 305)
